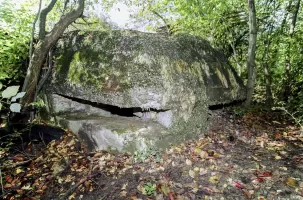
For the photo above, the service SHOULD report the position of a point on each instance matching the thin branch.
(49, 70)
(74, 187)
(42, 20)
(163, 19)
(65, 21)
(2, 189)
(15, 164)
(33, 31)
(65, 4)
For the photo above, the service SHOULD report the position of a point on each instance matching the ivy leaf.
(18, 96)
(15, 107)
(10, 91)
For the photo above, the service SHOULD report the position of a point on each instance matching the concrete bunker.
(126, 90)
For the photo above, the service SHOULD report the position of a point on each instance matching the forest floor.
(252, 155)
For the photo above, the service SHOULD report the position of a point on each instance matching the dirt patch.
(249, 157)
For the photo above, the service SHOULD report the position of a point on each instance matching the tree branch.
(65, 21)
(294, 18)
(42, 19)
(33, 31)
(46, 41)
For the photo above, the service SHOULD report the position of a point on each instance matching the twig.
(33, 32)
(73, 188)
(41, 137)
(15, 165)
(2, 189)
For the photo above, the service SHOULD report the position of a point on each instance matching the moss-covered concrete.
(182, 74)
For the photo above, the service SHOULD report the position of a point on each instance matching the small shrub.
(141, 156)
(149, 189)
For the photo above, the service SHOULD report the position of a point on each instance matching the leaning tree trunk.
(46, 41)
(251, 65)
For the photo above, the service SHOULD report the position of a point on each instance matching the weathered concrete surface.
(165, 80)
(116, 133)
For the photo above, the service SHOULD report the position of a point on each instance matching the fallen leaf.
(159, 197)
(39, 191)
(19, 191)
(292, 182)
(8, 179)
(195, 189)
(165, 189)
(171, 196)
(238, 185)
(26, 187)
(178, 149)
(7, 185)
(214, 179)
(123, 193)
(18, 171)
(191, 173)
(188, 162)
(203, 154)
(266, 174)
(202, 171)
(247, 194)
(197, 150)
(278, 135)
(283, 168)
(124, 186)
(18, 158)
(260, 180)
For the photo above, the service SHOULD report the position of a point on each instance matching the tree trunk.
(235, 56)
(33, 72)
(269, 100)
(266, 67)
(46, 41)
(250, 64)
(287, 80)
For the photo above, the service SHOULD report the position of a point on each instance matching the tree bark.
(46, 41)
(250, 64)
(287, 80)
(266, 67)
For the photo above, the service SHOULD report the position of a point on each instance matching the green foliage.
(9, 96)
(14, 39)
(7, 141)
(239, 111)
(149, 189)
(296, 116)
(141, 156)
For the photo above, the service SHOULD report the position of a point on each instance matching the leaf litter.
(250, 157)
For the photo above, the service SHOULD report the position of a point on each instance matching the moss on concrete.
(129, 69)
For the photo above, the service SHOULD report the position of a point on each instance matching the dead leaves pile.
(63, 168)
